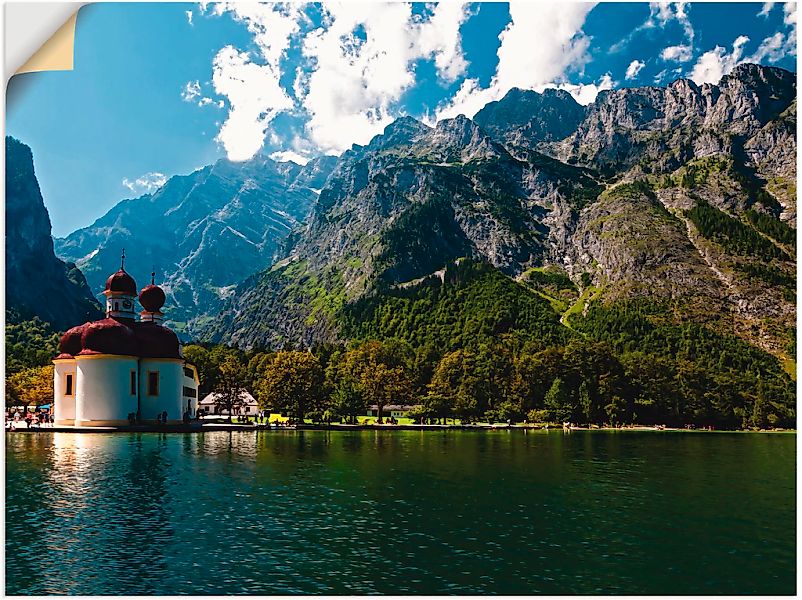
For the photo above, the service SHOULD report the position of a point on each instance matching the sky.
(160, 89)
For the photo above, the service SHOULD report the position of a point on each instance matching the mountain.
(413, 200)
(37, 283)
(680, 198)
(203, 232)
(526, 118)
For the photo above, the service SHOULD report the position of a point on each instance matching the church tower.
(152, 298)
(120, 295)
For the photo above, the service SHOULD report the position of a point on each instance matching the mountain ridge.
(416, 198)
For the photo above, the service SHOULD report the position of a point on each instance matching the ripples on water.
(400, 512)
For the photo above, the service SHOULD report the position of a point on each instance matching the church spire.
(122, 261)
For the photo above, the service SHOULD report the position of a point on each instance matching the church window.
(68, 385)
(133, 382)
(153, 383)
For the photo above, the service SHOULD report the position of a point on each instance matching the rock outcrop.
(37, 283)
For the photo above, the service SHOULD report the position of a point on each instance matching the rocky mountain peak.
(527, 118)
(38, 283)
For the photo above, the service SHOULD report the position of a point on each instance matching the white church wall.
(63, 405)
(190, 383)
(168, 393)
(103, 394)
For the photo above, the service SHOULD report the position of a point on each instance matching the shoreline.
(211, 427)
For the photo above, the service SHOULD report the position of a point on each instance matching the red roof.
(156, 341)
(108, 336)
(70, 342)
(151, 298)
(112, 336)
(121, 282)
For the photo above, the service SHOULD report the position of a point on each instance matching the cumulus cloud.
(358, 63)
(585, 93)
(776, 47)
(147, 183)
(634, 68)
(255, 97)
(539, 45)
(253, 89)
(363, 61)
(714, 64)
(765, 9)
(679, 53)
(660, 15)
(189, 16)
(289, 156)
(191, 91)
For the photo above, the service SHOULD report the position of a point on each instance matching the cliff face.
(38, 283)
(204, 232)
(681, 194)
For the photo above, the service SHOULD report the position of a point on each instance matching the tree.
(230, 384)
(256, 366)
(559, 403)
(381, 372)
(436, 406)
(28, 387)
(207, 371)
(347, 400)
(292, 382)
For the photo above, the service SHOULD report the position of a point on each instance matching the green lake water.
(508, 512)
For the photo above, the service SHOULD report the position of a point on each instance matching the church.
(120, 367)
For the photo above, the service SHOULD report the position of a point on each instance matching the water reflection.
(402, 512)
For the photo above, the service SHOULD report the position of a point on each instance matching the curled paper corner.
(56, 54)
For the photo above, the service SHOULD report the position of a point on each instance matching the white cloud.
(765, 9)
(714, 64)
(289, 156)
(539, 45)
(359, 62)
(679, 53)
(663, 13)
(253, 89)
(634, 68)
(189, 16)
(255, 97)
(773, 48)
(660, 15)
(191, 91)
(776, 47)
(585, 93)
(148, 182)
(363, 62)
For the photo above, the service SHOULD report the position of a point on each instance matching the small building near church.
(121, 366)
(248, 406)
(391, 410)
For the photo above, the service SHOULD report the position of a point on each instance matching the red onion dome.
(156, 341)
(121, 282)
(70, 342)
(108, 336)
(152, 298)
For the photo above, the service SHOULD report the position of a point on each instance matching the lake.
(420, 512)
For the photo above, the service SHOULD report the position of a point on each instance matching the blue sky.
(164, 88)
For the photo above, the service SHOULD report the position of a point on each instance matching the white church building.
(121, 366)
